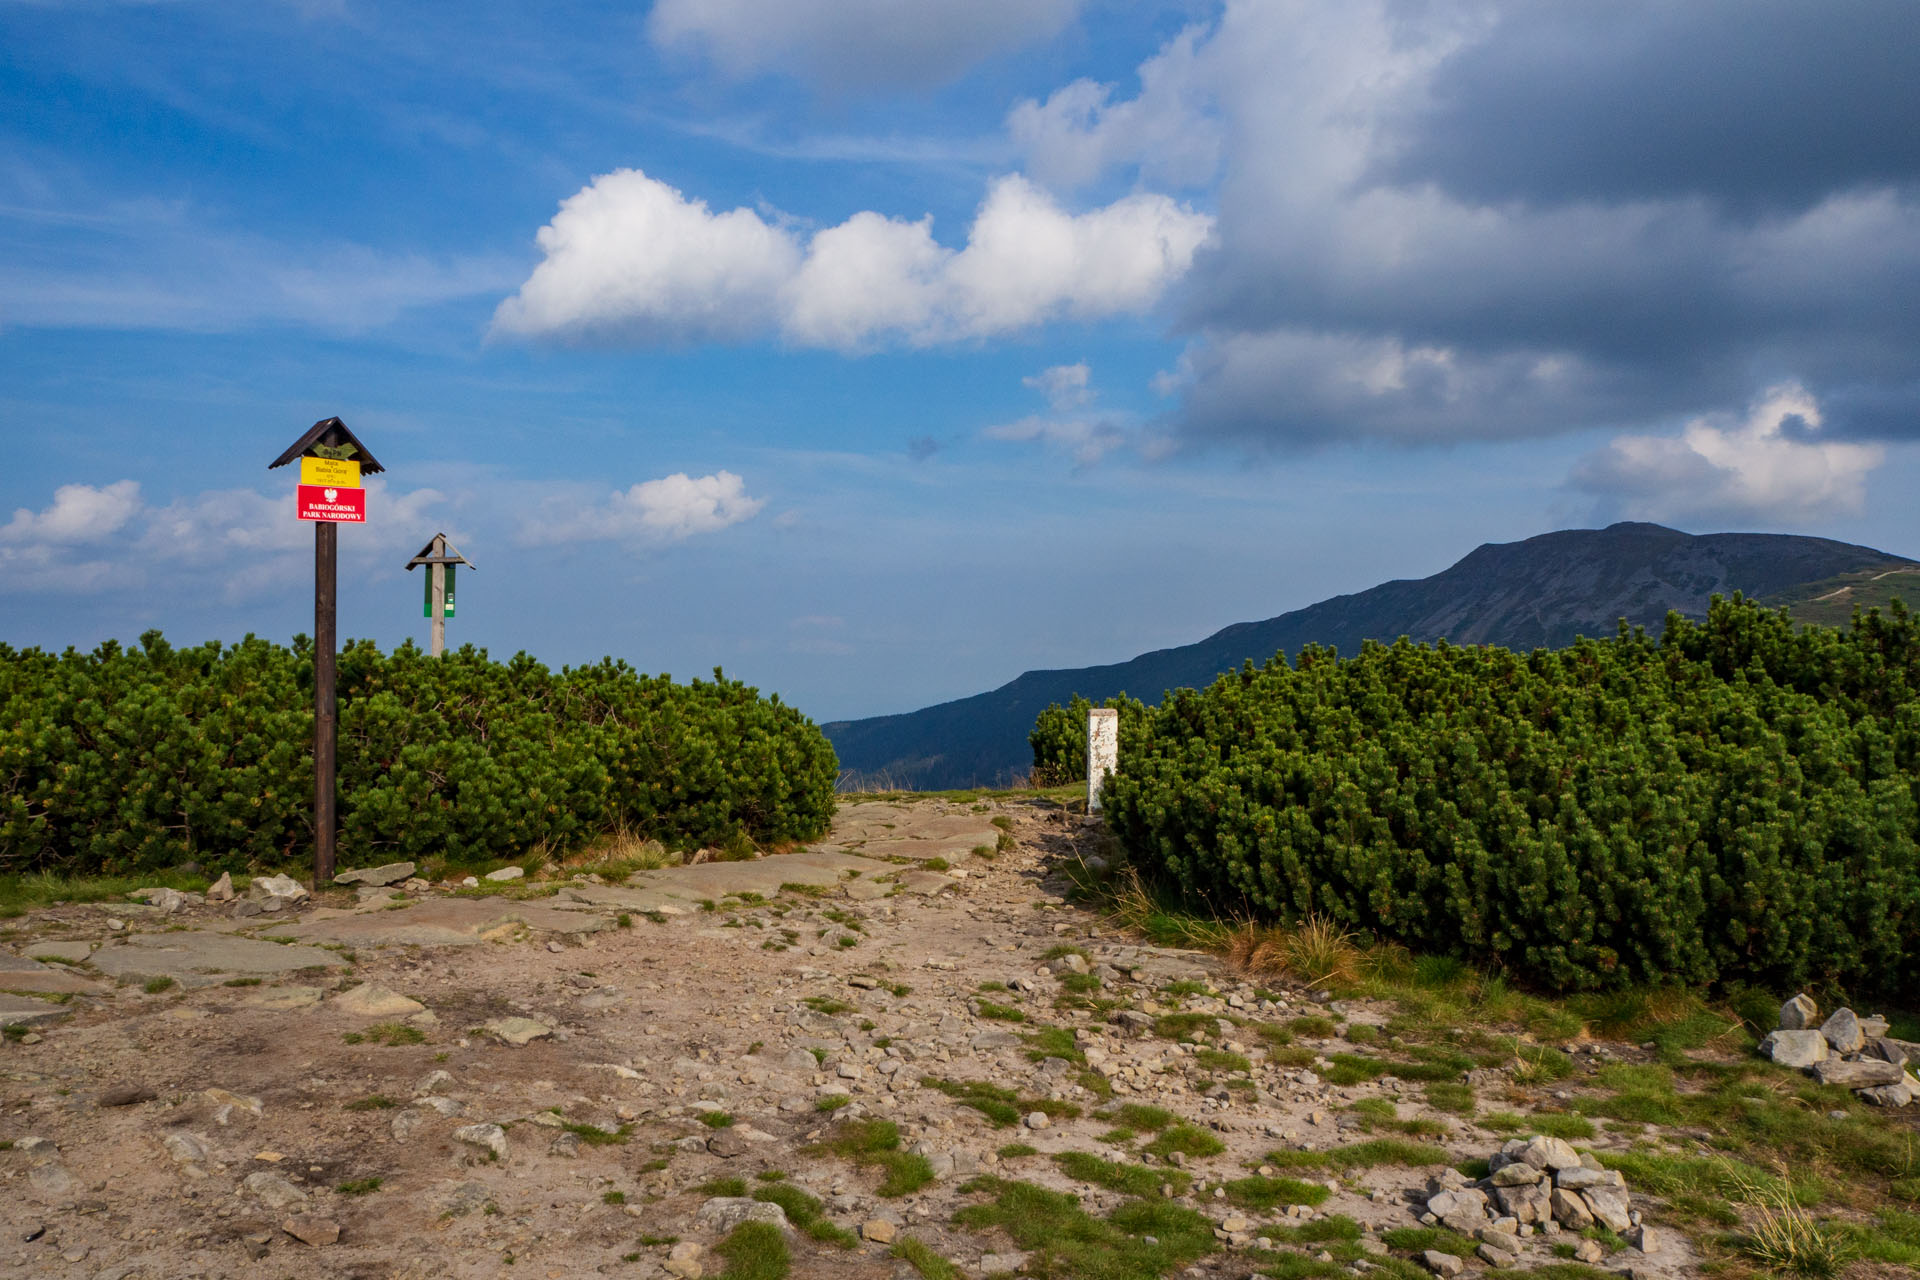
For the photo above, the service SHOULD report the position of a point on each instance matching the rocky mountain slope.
(1543, 591)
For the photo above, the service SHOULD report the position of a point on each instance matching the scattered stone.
(1570, 1210)
(184, 1148)
(461, 1198)
(1795, 1048)
(505, 874)
(1442, 1264)
(683, 1260)
(167, 900)
(312, 1229)
(488, 1137)
(1645, 1239)
(1038, 1120)
(273, 1190)
(1609, 1206)
(1885, 1095)
(371, 1001)
(878, 1230)
(1799, 1013)
(727, 1144)
(995, 1264)
(1589, 1252)
(723, 1213)
(275, 892)
(518, 1031)
(221, 889)
(125, 1095)
(375, 877)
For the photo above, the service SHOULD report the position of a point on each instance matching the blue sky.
(877, 351)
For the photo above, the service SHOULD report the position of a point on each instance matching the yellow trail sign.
(330, 472)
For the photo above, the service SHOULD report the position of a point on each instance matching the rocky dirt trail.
(409, 1082)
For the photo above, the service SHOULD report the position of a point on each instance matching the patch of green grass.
(716, 1119)
(1222, 1060)
(373, 1102)
(1138, 1115)
(805, 1213)
(241, 982)
(1080, 984)
(1069, 1242)
(1332, 1229)
(1362, 1155)
(920, 1256)
(1053, 1042)
(1130, 1179)
(1183, 1026)
(594, 1136)
(730, 1188)
(1312, 1026)
(1189, 1140)
(989, 987)
(1362, 1033)
(360, 1186)
(1352, 1068)
(999, 1012)
(995, 1102)
(828, 1005)
(1265, 1193)
(1062, 950)
(22, 893)
(755, 1251)
(154, 986)
(1420, 1239)
(392, 1034)
(613, 1197)
(1016, 1150)
(831, 1102)
(1450, 1095)
(877, 1142)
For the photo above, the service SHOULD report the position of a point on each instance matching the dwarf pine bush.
(1736, 800)
(133, 759)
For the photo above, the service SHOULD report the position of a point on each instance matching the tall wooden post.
(437, 634)
(331, 492)
(326, 577)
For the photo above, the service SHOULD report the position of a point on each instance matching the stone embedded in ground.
(221, 890)
(1038, 1120)
(1859, 1074)
(1799, 1013)
(311, 1229)
(167, 900)
(878, 1230)
(683, 1260)
(17, 973)
(280, 890)
(1885, 1095)
(203, 959)
(488, 1137)
(52, 1180)
(1589, 1252)
(1645, 1239)
(727, 1144)
(68, 952)
(184, 1148)
(517, 1031)
(995, 1264)
(374, 877)
(722, 1214)
(1842, 1031)
(273, 1190)
(504, 874)
(1442, 1264)
(1795, 1048)
(371, 1001)
(457, 1199)
(125, 1095)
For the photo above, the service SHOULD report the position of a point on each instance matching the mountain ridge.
(1539, 592)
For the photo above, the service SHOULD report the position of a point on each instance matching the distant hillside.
(1543, 592)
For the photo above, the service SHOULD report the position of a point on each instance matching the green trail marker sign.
(440, 557)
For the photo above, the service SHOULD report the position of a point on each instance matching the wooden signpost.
(440, 556)
(332, 464)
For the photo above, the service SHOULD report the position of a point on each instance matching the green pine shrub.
(1059, 738)
(1736, 801)
(129, 759)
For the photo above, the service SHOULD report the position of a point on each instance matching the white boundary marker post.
(1103, 751)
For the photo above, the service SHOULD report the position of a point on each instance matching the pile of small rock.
(1846, 1050)
(1537, 1186)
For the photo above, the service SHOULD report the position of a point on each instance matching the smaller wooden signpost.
(332, 463)
(440, 556)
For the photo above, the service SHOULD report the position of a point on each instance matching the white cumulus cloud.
(1071, 425)
(78, 513)
(669, 509)
(630, 258)
(856, 44)
(1768, 465)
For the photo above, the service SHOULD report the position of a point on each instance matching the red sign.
(325, 502)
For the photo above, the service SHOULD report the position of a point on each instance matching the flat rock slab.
(203, 959)
(71, 952)
(951, 848)
(442, 922)
(17, 973)
(22, 1011)
(764, 876)
(926, 882)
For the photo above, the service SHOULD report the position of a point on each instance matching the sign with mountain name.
(332, 503)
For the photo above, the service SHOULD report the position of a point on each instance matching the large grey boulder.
(1843, 1032)
(274, 892)
(1795, 1048)
(1861, 1074)
(1886, 1095)
(1799, 1013)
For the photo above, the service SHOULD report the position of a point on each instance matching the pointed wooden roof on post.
(439, 551)
(332, 433)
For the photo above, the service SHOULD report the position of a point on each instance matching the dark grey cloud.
(1442, 220)
(1760, 106)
